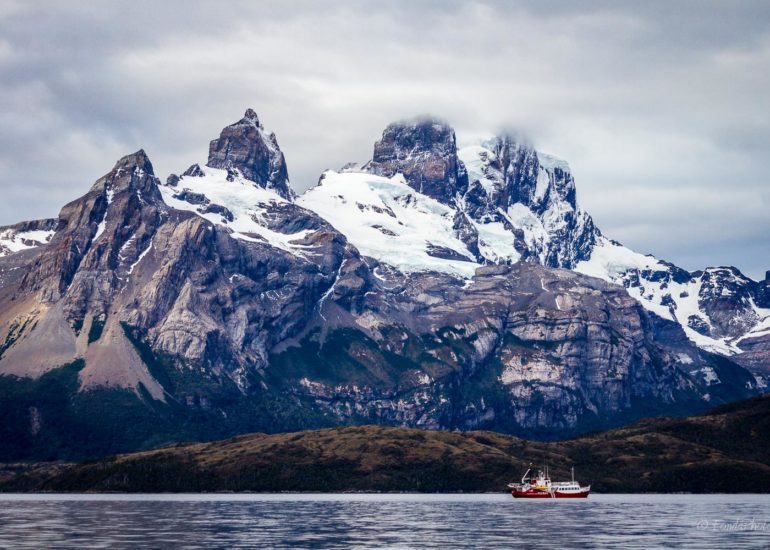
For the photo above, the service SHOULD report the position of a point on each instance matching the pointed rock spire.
(247, 147)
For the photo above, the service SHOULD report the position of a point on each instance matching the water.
(376, 521)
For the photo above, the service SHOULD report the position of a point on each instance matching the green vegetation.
(48, 418)
(51, 418)
(343, 356)
(726, 450)
(95, 332)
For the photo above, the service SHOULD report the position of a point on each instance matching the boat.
(541, 486)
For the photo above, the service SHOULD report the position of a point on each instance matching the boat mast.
(573, 474)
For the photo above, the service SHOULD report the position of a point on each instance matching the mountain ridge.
(222, 293)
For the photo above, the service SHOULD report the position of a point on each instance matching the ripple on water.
(366, 521)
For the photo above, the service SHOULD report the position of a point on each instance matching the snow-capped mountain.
(430, 287)
(719, 308)
(436, 207)
(509, 202)
(421, 204)
(248, 148)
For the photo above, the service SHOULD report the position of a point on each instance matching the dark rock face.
(467, 233)
(725, 296)
(246, 146)
(194, 171)
(118, 204)
(519, 164)
(425, 151)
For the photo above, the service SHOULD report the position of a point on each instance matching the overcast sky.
(662, 110)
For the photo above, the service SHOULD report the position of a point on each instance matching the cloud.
(661, 109)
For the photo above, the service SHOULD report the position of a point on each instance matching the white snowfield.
(247, 202)
(386, 219)
(15, 241)
(613, 262)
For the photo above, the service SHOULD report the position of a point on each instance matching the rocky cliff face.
(395, 294)
(522, 348)
(124, 265)
(535, 194)
(424, 151)
(246, 147)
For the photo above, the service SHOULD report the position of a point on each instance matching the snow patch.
(476, 159)
(103, 224)
(12, 241)
(496, 243)
(248, 203)
(710, 376)
(386, 219)
(139, 259)
(550, 162)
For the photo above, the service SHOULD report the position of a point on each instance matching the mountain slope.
(508, 202)
(708, 453)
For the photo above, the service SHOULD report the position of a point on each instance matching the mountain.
(725, 450)
(508, 202)
(431, 287)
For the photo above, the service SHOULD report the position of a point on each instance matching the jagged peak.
(251, 116)
(247, 147)
(728, 271)
(139, 159)
(517, 141)
(424, 150)
(513, 138)
(250, 119)
(128, 167)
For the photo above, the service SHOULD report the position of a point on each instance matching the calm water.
(396, 521)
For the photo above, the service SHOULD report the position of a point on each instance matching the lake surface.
(376, 521)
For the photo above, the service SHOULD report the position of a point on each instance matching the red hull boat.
(542, 487)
